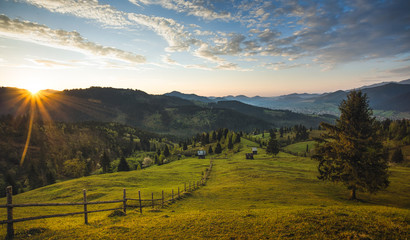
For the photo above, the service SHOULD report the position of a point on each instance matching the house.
(201, 154)
(255, 150)
(249, 155)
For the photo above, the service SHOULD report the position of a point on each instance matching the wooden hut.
(255, 151)
(201, 154)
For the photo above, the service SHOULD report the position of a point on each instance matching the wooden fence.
(141, 203)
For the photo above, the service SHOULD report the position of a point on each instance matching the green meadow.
(266, 198)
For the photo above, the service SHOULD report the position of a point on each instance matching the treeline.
(283, 135)
(397, 130)
(396, 135)
(64, 150)
(214, 142)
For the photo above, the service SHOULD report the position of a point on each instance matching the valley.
(268, 197)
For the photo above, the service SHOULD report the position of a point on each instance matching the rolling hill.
(157, 113)
(265, 198)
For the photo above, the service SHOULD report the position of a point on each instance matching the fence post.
(162, 204)
(10, 228)
(152, 194)
(139, 198)
(124, 197)
(85, 206)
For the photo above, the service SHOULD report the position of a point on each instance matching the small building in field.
(201, 154)
(249, 155)
(255, 150)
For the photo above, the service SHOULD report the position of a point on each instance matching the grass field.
(300, 147)
(265, 198)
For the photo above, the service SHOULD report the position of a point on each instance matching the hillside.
(269, 197)
(277, 117)
(157, 113)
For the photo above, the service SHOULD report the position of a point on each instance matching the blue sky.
(211, 48)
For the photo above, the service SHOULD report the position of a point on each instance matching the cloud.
(89, 9)
(51, 63)
(202, 9)
(331, 32)
(168, 60)
(203, 33)
(368, 30)
(173, 32)
(222, 65)
(281, 66)
(401, 70)
(41, 34)
(206, 52)
(268, 35)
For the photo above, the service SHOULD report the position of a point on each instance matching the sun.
(34, 89)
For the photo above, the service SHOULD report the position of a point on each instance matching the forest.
(59, 151)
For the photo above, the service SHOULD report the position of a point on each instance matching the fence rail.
(151, 203)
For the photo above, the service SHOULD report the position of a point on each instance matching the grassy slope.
(262, 198)
(300, 147)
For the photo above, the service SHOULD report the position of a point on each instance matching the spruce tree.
(123, 165)
(166, 151)
(105, 162)
(351, 152)
(273, 147)
(238, 138)
(210, 151)
(218, 148)
(230, 144)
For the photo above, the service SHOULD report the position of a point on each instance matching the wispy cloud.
(282, 65)
(90, 9)
(48, 63)
(202, 9)
(43, 35)
(401, 70)
(168, 60)
(174, 33)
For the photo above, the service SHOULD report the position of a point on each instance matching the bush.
(147, 162)
(74, 168)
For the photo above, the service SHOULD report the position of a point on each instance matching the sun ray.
(49, 106)
(30, 128)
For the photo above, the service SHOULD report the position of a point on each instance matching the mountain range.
(161, 114)
(181, 114)
(387, 99)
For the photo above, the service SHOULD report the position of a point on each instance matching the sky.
(206, 47)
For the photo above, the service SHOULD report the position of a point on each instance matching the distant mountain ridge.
(155, 113)
(388, 99)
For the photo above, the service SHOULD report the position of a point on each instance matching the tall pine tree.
(218, 148)
(105, 162)
(273, 147)
(123, 165)
(351, 152)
